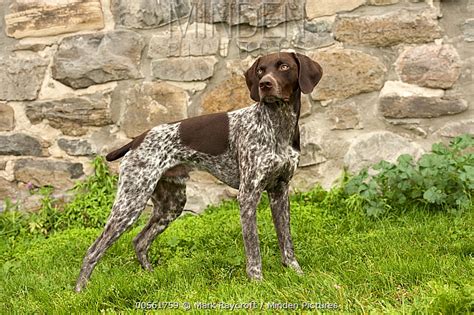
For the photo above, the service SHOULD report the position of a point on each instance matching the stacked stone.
(81, 77)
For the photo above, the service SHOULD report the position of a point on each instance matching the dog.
(253, 149)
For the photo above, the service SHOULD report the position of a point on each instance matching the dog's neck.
(284, 116)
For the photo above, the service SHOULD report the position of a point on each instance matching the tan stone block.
(40, 18)
(231, 94)
(387, 28)
(347, 72)
(382, 2)
(434, 66)
(316, 9)
(7, 117)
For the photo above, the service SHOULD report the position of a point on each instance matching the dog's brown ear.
(252, 81)
(310, 73)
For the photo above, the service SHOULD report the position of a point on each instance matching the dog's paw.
(255, 274)
(256, 278)
(295, 266)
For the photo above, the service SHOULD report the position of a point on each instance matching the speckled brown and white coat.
(252, 149)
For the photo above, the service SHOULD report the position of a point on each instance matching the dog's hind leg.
(133, 193)
(168, 199)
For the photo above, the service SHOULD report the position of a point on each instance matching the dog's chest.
(281, 164)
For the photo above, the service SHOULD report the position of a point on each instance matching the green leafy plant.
(440, 180)
(93, 198)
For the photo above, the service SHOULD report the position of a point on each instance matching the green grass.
(418, 261)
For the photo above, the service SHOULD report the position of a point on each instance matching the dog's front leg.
(248, 198)
(280, 206)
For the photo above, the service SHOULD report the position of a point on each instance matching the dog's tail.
(117, 154)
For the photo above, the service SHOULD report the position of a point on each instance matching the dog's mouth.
(274, 99)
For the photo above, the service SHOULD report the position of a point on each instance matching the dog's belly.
(229, 176)
(224, 167)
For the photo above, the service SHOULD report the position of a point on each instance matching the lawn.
(398, 241)
(415, 261)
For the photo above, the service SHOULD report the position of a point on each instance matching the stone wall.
(81, 77)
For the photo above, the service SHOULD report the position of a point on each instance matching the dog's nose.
(265, 84)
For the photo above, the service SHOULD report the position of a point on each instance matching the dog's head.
(276, 77)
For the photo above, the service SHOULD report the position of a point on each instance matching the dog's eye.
(259, 71)
(284, 67)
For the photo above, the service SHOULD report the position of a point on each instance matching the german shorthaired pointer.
(252, 149)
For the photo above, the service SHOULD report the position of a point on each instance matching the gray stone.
(27, 202)
(306, 106)
(344, 116)
(149, 14)
(370, 26)
(401, 100)
(21, 76)
(323, 25)
(194, 42)
(308, 40)
(71, 115)
(456, 128)
(84, 60)
(421, 107)
(252, 12)
(6, 43)
(264, 44)
(20, 144)
(184, 69)
(7, 190)
(32, 46)
(7, 118)
(312, 135)
(55, 173)
(434, 66)
(315, 34)
(148, 104)
(468, 30)
(265, 40)
(203, 190)
(325, 174)
(347, 72)
(45, 18)
(368, 149)
(76, 147)
(104, 140)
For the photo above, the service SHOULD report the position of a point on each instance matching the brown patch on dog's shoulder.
(207, 134)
